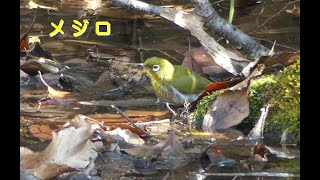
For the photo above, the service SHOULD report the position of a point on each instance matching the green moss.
(282, 90)
(258, 93)
(285, 114)
(281, 165)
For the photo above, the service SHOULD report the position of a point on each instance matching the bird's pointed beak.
(139, 65)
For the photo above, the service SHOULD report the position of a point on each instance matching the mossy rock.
(281, 90)
(285, 114)
(258, 94)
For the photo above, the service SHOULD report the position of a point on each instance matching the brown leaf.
(134, 115)
(216, 150)
(229, 109)
(81, 120)
(200, 61)
(173, 142)
(105, 81)
(24, 43)
(215, 87)
(130, 128)
(70, 149)
(43, 132)
(281, 59)
(192, 64)
(144, 113)
(56, 93)
(260, 149)
(24, 38)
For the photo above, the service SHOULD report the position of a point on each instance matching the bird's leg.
(158, 100)
(173, 117)
(171, 110)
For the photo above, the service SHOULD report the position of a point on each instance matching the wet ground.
(134, 37)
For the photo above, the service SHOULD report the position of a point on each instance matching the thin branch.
(31, 26)
(228, 31)
(44, 82)
(194, 23)
(280, 45)
(129, 120)
(264, 23)
(99, 153)
(142, 6)
(171, 110)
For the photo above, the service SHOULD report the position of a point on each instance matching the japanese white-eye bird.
(174, 84)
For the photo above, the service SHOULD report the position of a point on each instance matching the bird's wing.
(186, 81)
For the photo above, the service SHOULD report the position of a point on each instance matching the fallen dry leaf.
(134, 115)
(280, 60)
(106, 81)
(70, 149)
(81, 120)
(229, 109)
(130, 128)
(173, 142)
(24, 38)
(200, 61)
(33, 5)
(128, 136)
(32, 66)
(43, 132)
(215, 87)
(52, 92)
(57, 94)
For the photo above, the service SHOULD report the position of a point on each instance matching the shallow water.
(136, 36)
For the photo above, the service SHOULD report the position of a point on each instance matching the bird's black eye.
(155, 68)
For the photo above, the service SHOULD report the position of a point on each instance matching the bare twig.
(265, 22)
(129, 120)
(140, 6)
(280, 45)
(227, 30)
(42, 79)
(100, 155)
(171, 110)
(193, 22)
(166, 176)
(33, 21)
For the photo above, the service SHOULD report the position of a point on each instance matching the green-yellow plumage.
(174, 84)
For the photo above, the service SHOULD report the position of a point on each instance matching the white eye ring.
(155, 68)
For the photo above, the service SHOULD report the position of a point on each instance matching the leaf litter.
(127, 151)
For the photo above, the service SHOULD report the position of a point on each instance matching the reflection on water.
(136, 36)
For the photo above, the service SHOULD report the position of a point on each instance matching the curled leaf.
(229, 109)
(52, 92)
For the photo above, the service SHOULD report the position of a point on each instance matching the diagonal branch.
(194, 23)
(228, 31)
